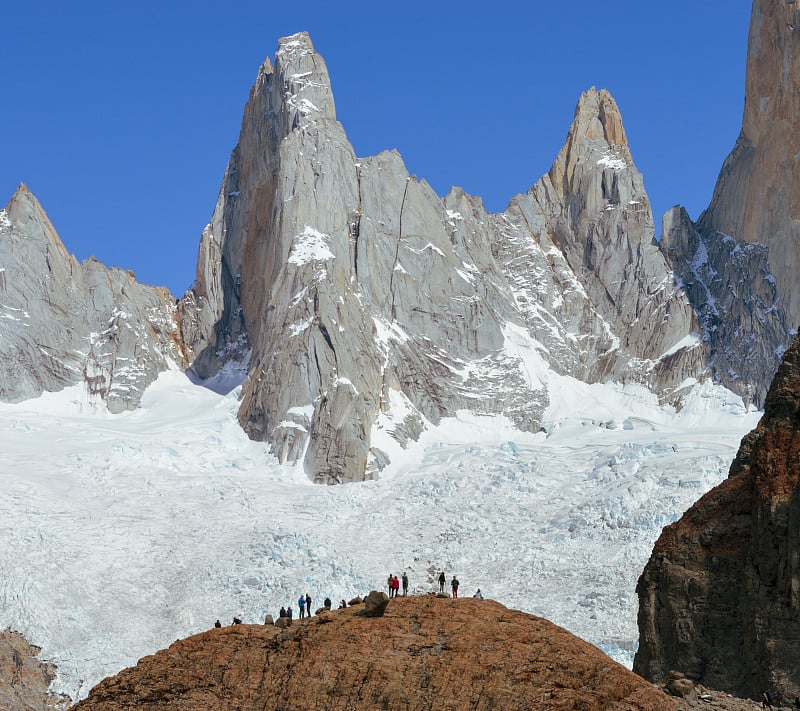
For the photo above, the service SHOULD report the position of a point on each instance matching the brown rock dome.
(424, 653)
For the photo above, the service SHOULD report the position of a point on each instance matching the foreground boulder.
(719, 599)
(423, 653)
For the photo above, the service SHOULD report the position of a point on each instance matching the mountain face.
(719, 599)
(423, 653)
(361, 301)
(63, 323)
(739, 262)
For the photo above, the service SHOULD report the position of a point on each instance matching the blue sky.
(121, 117)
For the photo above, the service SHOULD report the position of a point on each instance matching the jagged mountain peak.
(598, 118)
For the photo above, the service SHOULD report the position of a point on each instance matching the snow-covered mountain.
(124, 532)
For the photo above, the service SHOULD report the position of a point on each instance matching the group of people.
(393, 584)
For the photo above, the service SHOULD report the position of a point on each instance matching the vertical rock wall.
(719, 599)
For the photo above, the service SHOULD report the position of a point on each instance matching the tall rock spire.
(757, 196)
(740, 265)
(362, 307)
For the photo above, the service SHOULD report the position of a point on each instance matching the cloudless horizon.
(121, 118)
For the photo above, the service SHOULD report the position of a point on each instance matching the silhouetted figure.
(217, 624)
(454, 586)
(395, 586)
(405, 584)
(442, 581)
(342, 605)
(289, 614)
(327, 603)
(237, 621)
(766, 700)
(390, 584)
(282, 612)
(308, 604)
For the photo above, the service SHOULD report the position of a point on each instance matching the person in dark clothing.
(282, 613)
(342, 605)
(308, 604)
(390, 584)
(454, 586)
(217, 624)
(766, 700)
(327, 603)
(405, 584)
(442, 581)
(237, 621)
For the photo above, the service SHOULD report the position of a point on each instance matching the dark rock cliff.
(719, 598)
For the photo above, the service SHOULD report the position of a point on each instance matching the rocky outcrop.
(64, 322)
(719, 599)
(363, 303)
(24, 679)
(739, 263)
(423, 653)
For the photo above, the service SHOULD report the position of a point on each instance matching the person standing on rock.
(454, 586)
(301, 603)
(282, 612)
(478, 594)
(308, 604)
(327, 604)
(442, 581)
(390, 584)
(395, 586)
(405, 584)
(289, 614)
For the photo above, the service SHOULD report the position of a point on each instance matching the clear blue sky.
(121, 117)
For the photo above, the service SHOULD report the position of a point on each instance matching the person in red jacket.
(395, 586)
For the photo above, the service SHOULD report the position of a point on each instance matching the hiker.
(478, 594)
(390, 584)
(327, 603)
(237, 621)
(289, 614)
(442, 580)
(454, 586)
(766, 700)
(395, 586)
(301, 603)
(342, 605)
(405, 584)
(308, 604)
(217, 624)
(282, 613)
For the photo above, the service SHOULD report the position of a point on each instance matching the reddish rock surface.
(424, 653)
(719, 599)
(24, 679)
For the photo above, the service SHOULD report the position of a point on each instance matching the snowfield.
(122, 533)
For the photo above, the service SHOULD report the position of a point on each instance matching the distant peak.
(299, 42)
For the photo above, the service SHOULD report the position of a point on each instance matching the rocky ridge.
(719, 599)
(423, 653)
(64, 322)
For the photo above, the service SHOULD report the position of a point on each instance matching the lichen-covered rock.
(423, 653)
(719, 599)
(64, 322)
